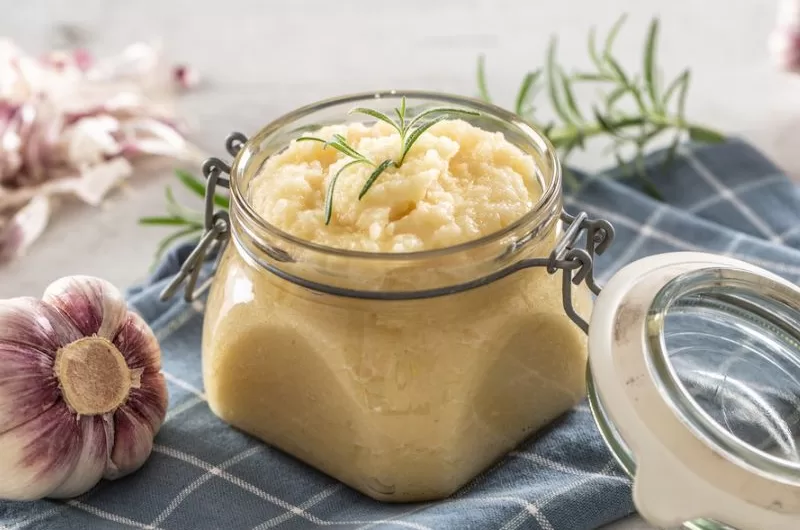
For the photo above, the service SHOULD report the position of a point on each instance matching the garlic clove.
(95, 435)
(39, 455)
(149, 400)
(31, 322)
(94, 306)
(137, 344)
(30, 334)
(135, 424)
(27, 385)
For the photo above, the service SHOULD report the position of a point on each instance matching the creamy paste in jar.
(402, 400)
(457, 183)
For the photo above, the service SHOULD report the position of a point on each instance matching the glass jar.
(347, 361)
(404, 375)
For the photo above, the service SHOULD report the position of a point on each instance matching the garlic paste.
(402, 400)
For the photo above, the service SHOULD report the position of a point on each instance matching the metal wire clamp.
(216, 223)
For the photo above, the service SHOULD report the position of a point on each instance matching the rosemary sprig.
(409, 130)
(634, 109)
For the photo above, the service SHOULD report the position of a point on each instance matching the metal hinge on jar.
(216, 224)
(575, 262)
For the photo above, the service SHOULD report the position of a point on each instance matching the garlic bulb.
(81, 394)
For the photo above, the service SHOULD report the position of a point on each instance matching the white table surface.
(263, 58)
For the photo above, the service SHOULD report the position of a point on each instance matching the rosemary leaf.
(483, 91)
(684, 89)
(569, 96)
(630, 121)
(331, 189)
(601, 121)
(401, 115)
(650, 135)
(626, 82)
(640, 173)
(590, 76)
(629, 170)
(671, 152)
(312, 139)
(650, 74)
(570, 146)
(614, 96)
(679, 81)
(163, 220)
(553, 85)
(373, 177)
(439, 110)
(612, 35)
(705, 135)
(222, 201)
(620, 74)
(613, 127)
(379, 116)
(579, 139)
(171, 202)
(525, 91)
(339, 143)
(191, 182)
(414, 136)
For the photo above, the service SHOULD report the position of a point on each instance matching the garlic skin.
(81, 393)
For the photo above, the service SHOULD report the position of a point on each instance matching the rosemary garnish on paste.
(409, 130)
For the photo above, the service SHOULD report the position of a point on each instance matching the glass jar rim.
(242, 206)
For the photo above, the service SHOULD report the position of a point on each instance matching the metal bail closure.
(577, 264)
(217, 227)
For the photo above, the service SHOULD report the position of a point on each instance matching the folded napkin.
(726, 199)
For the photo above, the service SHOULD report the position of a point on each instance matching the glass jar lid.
(695, 368)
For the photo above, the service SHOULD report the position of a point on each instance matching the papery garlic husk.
(81, 393)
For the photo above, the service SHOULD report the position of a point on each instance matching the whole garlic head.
(81, 393)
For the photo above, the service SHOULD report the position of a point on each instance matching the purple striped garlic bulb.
(81, 393)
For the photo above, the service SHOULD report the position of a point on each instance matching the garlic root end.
(93, 375)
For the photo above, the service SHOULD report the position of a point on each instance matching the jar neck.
(385, 277)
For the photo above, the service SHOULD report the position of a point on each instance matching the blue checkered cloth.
(203, 474)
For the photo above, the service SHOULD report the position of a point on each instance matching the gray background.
(260, 59)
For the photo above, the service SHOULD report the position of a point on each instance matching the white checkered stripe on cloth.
(203, 474)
